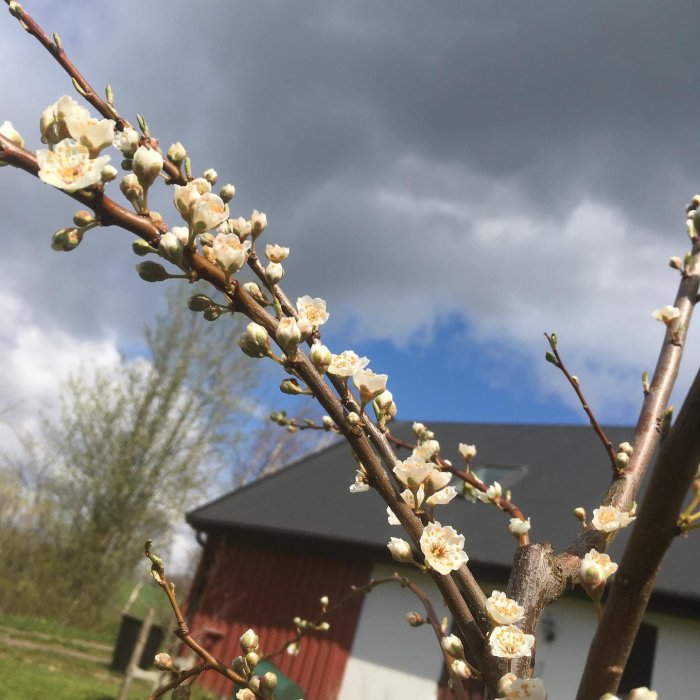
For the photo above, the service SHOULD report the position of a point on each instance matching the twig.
(106, 109)
(179, 679)
(362, 590)
(577, 388)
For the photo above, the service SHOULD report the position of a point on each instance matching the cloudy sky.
(454, 178)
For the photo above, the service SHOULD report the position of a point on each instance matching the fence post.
(136, 654)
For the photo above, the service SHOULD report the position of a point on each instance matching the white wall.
(389, 659)
(560, 662)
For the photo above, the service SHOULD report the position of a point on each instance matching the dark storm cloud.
(504, 161)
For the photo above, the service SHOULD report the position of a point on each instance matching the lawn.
(33, 674)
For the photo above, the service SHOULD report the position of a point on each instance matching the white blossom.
(369, 384)
(596, 567)
(468, 452)
(274, 272)
(667, 315)
(442, 497)
(642, 694)
(346, 364)
(53, 119)
(208, 211)
(186, 195)
(492, 494)
(521, 689)
(519, 527)
(10, 133)
(147, 165)
(229, 253)
(413, 500)
(391, 517)
(443, 548)
(276, 253)
(258, 223)
(126, 141)
(503, 610)
(360, 485)
(313, 310)
(510, 642)
(426, 450)
(95, 134)
(609, 518)
(412, 472)
(69, 166)
(288, 334)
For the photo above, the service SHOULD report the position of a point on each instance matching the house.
(273, 548)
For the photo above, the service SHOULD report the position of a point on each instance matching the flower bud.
(274, 272)
(16, 10)
(626, 448)
(66, 239)
(199, 302)
(170, 247)
(10, 133)
(227, 192)
(580, 514)
(163, 661)
(293, 649)
(324, 602)
(83, 218)
(461, 669)
(210, 175)
(177, 153)
(258, 223)
(240, 666)
(245, 694)
(254, 291)
(147, 165)
(415, 619)
(288, 335)
(622, 459)
(321, 357)
(328, 423)
(252, 659)
(269, 680)
(291, 387)
(151, 271)
(305, 326)
(255, 684)
(592, 574)
(131, 188)
(109, 173)
(212, 313)
(352, 419)
(452, 644)
(400, 550)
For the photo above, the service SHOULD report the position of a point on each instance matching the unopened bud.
(252, 659)
(255, 684)
(324, 627)
(461, 669)
(245, 694)
(622, 459)
(177, 153)
(580, 514)
(258, 223)
(83, 218)
(293, 648)
(321, 357)
(269, 680)
(452, 644)
(210, 175)
(274, 272)
(227, 192)
(249, 641)
(288, 335)
(131, 188)
(328, 423)
(147, 165)
(676, 263)
(352, 419)
(324, 602)
(66, 239)
(150, 271)
(400, 550)
(212, 313)
(626, 448)
(16, 10)
(141, 247)
(291, 387)
(254, 290)
(240, 666)
(163, 661)
(199, 302)
(415, 619)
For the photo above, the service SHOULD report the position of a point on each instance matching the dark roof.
(565, 466)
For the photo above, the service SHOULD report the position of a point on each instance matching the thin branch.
(656, 528)
(179, 679)
(106, 109)
(576, 386)
(362, 590)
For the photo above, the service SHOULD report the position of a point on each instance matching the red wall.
(244, 584)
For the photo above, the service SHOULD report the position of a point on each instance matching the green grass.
(33, 674)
